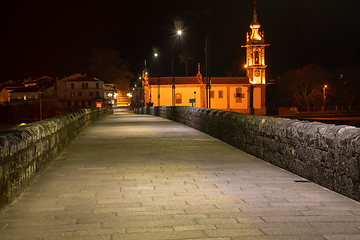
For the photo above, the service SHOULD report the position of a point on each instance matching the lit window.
(256, 57)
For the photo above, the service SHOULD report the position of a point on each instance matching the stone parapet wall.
(26, 150)
(326, 154)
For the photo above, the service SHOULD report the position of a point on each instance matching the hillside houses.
(57, 96)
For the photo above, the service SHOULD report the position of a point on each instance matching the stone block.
(28, 149)
(324, 153)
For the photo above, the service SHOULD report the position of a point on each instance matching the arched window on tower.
(256, 57)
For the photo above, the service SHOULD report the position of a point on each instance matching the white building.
(82, 92)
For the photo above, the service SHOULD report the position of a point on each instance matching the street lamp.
(157, 73)
(207, 13)
(178, 25)
(324, 92)
(207, 56)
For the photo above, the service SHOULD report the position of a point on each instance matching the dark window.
(79, 94)
(97, 85)
(221, 94)
(72, 85)
(178, 98)
(239, 95)
(212, 94)
(97, 94)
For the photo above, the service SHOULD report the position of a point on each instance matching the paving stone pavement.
(141, 177)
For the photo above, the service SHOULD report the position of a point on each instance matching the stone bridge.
(139, 176)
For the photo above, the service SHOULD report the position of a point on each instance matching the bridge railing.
(326, 154)
(26, 150)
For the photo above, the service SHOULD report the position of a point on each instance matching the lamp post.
(207, 13)
(324, 92)
(207, 55)
(157, 73)
(178, 32)
(40, 105)
(195, 98)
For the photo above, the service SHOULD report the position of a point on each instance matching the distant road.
(350, 121)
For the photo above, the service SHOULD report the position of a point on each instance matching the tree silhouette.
(303, 87)
(106, 65)
(186, 57)
(347, 83)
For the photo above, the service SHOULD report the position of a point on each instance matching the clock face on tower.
(257, 73)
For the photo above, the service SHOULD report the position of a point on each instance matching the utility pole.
(207, 56)
(207, 51)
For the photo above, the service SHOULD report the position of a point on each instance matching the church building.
(237, 94)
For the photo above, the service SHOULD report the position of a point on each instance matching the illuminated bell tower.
(255, 52)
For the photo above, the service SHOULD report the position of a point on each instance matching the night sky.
(55, 38)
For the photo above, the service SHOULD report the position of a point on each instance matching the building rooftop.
(84, 79)
(195, 80)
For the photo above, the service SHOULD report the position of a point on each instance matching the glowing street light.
(178, 25)
(157, 73)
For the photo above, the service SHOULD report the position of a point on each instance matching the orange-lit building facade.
(237, 94)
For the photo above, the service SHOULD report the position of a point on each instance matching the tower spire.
(255, 52)
(255, 15)
(255, 25)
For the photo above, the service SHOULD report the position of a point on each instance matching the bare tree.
(303, 87)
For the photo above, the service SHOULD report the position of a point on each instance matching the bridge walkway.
(137, 177)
